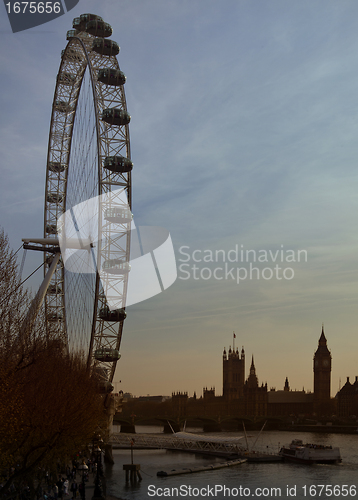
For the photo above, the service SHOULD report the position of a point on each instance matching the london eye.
(89, 165)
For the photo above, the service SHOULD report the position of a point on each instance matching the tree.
(11, 305)
(13, 298)
(58, 411)
(50, 406)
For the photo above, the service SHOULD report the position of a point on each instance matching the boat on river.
(309, 453)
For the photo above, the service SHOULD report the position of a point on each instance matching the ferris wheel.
(88, 163)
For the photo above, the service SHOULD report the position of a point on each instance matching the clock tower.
(322, 366)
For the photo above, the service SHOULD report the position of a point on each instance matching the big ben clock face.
(316, 363)
(325, 362)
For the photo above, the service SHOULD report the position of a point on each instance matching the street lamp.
(97, 452)
(83, 467)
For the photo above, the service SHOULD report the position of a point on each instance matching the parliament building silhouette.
(257, 400)
(246, 397)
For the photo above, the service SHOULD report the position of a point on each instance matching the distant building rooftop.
(289, 397)
(153, 399)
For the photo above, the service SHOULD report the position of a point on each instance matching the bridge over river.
(180, 441)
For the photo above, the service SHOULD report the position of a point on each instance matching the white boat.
(310, 453)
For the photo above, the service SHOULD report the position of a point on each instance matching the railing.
(139, 441)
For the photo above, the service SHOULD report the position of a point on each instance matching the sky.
(244, 126)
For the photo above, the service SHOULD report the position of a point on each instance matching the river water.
(260, 480)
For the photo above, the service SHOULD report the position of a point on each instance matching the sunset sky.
(244, 128)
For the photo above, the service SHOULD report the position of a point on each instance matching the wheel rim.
(81, 146)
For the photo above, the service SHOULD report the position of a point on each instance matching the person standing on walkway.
(60, 488)
(82, 490)
(74, 487)
(65, 487)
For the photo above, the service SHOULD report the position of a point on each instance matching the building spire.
(252, 381)
(322, 339)
(252, 368)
